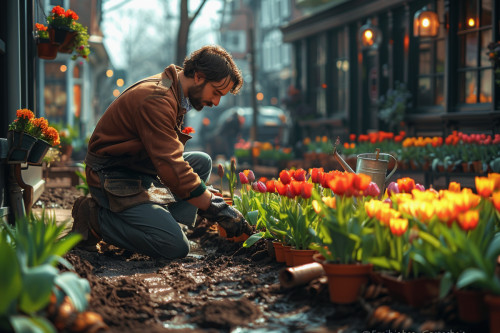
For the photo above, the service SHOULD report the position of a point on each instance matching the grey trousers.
(149, 228)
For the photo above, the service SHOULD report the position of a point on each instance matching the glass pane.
(485, 40)
(439, 91)
(440, 56)
(486, 7)
(467, 88)
(424, 97)
(468, 15)
(342, 75)
(471, 50)
(425, 59)
(485, 96)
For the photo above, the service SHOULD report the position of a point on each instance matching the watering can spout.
(341, 160)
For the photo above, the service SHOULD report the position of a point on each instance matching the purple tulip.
(261, 187)
(251, 176)
(420, 187)
(372, 190)
(392, 188)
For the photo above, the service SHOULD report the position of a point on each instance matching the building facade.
(449, 75)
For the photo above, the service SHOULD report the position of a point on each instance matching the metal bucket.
(375, 165)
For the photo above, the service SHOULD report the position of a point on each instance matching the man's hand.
(227, 217)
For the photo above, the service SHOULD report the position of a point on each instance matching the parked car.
(273, 126)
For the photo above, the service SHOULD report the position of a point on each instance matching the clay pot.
(344, 280)
(471, 305)
(46, 50)
(279, 251)
(288, 255)
(493, 303)
(302, 257)
(299, 275)
(415, 292)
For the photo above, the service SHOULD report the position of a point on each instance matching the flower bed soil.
(222, 287)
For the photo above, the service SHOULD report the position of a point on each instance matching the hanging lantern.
(425, 23)
(369, 35)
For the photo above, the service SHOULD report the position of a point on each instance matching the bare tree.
(185, 22)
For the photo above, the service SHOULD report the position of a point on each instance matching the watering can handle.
(393, 169)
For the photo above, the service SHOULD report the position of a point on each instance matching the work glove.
(228, 217)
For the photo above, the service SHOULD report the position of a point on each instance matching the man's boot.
(85, 222)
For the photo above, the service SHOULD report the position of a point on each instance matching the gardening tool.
(371, 164)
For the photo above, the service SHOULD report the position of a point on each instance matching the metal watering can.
(371, 164)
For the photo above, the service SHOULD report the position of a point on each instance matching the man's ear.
(199, 78)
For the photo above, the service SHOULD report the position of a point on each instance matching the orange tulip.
(398, 226)
(330, 202)
(468, 220)
(406, 184)
(454, 187)
(485, 186)
(496, 200)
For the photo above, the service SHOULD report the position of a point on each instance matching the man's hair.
(215, 64)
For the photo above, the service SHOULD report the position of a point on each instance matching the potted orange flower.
(45, 49)
(18, 136)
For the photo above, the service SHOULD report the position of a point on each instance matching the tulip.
(317, 175)
(285, 177)
(372, 190)
(392, 188)
(496, 200)
(306, 190)
(300, 175)
(485, 186)
(271, 186)
(243, 178)
(250, 175)
(420, 187)
(398, 226)
(468, 220)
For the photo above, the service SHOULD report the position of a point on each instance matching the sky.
(118, 17)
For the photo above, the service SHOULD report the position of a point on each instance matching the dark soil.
(222, 287)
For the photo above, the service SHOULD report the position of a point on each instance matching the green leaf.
(34, 324)
(10, 277)
(252, 217)
(445, 284)
(471, 276)
(75, 287)
(253, 239)
(37, 287)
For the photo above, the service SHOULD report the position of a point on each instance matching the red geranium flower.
(188, 130)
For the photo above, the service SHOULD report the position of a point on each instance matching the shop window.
(320, 75)
(340, 71)
(54, 91)
(431, 63)
(474, 67)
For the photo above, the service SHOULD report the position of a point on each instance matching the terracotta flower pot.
(493, 303)
(46, 50)
(344, 280)
(471, 305)
(288, 255)
(302, 257)
(415, 292)
(279, 251)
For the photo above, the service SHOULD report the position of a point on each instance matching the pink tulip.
(372, 190)
(243, 178)
(392, 188)
(420, 187)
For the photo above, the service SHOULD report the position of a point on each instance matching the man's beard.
(195, 96)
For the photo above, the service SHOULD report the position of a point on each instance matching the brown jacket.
(142, 127)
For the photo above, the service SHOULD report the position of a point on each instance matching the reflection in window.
(55, 96)
(431, 63)
(341, 71)
(475, 33)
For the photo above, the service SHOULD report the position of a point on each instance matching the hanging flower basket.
(45, 49)
(38, 151)
(20, 144)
